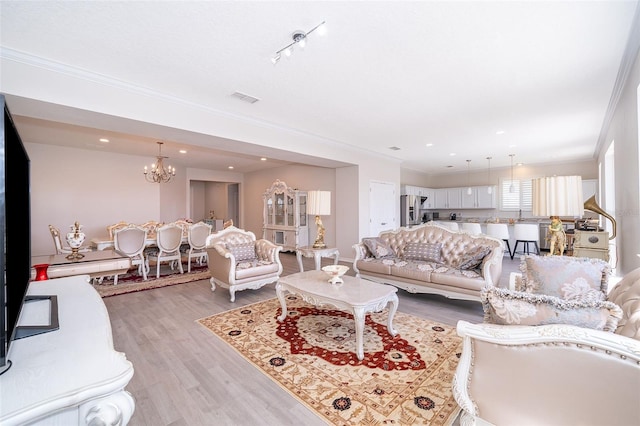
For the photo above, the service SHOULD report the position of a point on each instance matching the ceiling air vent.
(245, 97)
(394, 148)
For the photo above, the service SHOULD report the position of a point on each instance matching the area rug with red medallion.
(402, 380)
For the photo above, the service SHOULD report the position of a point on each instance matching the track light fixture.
(300, 39)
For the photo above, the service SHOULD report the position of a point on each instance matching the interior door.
(382, 207)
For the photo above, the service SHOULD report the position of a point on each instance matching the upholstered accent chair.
(581, 366)
(237, 261)
(197, 249)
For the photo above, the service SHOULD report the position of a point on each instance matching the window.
(516, 197)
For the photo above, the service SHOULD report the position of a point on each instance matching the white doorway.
(382, 207)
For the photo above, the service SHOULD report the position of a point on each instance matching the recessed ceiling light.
(448, 167)
(429, 144)
(183, 151)
(105, 140)
(500, 132)
(263, 159)
(519, 164)
(451, 154)
(394, 148)
(230, 167)
(512, 145)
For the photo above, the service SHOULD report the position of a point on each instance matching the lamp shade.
(319, 203)
(557, 196)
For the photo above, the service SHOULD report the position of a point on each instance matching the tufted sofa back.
(454, 244)
(626, 294)
(231, 236)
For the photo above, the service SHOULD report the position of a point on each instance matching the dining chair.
(111, 229)
(472, 228)
(526, 233)
(152, 227)
(168, 239)
(197, 238)
(130, 242)
(59, 245)
(501, 232)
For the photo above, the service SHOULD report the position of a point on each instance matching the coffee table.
(356, 296)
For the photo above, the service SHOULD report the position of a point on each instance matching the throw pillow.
(243, 252)
(472, 258)
(565, 277)
(378, 248)
(508, 307)
(423, 251)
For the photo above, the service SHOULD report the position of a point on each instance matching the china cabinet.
(285, 216)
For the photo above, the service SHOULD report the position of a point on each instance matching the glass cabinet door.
(270, 211)
(303, 210)
(279, 217)
(290, 211)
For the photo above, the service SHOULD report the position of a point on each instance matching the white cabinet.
(479, 198)
(428, 195)
(448, 198)
(70, 376)
(285, 216)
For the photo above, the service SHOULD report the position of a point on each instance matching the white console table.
(70, 376)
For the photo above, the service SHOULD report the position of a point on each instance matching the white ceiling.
(387, 74)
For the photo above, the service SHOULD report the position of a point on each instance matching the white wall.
(94, 188)
(624, 131)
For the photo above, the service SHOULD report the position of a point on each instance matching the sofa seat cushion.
(470, 279)
(509, 307)
(246, 270)
(413, 269)
(376, 266)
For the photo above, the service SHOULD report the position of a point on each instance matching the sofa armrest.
(551, 374)
(492, 266)
(360, 254)
(221, 263)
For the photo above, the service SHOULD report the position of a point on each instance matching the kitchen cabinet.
(448, 198)
(285, 216)
(479, 198)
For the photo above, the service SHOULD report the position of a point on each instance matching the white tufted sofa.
(416, 276)
(553, 374)
(229, 271)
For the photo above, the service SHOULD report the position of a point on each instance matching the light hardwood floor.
(184, 375)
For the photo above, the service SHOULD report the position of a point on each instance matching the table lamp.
(554, 197)
(319, 204)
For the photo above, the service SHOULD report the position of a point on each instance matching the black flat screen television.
(15, 229)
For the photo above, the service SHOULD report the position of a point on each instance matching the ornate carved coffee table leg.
(392, 311)
(283, 302)
(358, 316)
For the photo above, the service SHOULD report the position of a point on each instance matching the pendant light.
(469, 177)
(511, 188)
(489, 189)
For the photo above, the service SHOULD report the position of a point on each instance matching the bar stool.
(501, 232)
(526, 233)
(472, 228)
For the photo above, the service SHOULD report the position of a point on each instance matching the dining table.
(105, 243)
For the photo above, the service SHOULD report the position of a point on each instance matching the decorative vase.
(41, 271)
(75, 239)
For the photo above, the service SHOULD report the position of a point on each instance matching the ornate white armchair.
(553, 374)
(237, 261)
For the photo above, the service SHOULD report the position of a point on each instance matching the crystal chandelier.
(158, 173)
